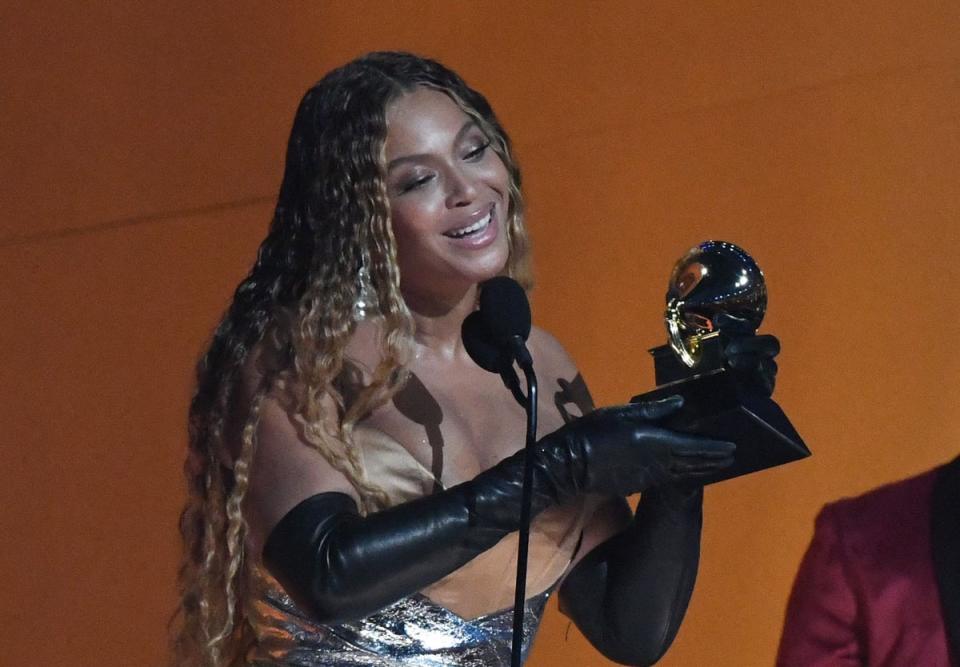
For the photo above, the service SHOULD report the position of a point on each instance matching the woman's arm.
(630, 583)
(342, 566)
(629, 594)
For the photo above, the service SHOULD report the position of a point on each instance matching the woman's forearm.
(629, 595)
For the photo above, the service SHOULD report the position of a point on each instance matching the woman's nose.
(462, 190)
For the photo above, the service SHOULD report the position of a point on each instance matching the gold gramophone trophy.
(712, 278)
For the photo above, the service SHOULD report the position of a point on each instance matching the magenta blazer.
(880, 582)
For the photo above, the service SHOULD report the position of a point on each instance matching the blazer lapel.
(946, 548)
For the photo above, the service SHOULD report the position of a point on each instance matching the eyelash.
(414, 184)
(473, 154)
(478, 151)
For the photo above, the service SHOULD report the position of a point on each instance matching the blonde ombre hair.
(292, 317)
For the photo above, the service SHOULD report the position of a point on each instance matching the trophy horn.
(713, 277)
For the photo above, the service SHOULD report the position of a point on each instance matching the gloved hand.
(614, 451)
(749, 355)
(342, 566)
(624, 450)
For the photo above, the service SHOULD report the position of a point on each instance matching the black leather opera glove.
(629, 595)
(340, 566)
(749, 355)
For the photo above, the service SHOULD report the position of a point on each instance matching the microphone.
(481, 346)
(495, 336)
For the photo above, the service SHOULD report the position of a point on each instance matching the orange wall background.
(142, 149)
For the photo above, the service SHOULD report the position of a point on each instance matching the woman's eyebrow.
(467, 126)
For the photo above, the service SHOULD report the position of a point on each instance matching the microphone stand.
(524, 360)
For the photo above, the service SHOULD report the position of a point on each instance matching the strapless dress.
(464, 619)
(413, 632)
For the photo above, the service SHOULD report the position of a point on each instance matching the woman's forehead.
(423, 120)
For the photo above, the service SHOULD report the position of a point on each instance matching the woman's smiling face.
(449, 195)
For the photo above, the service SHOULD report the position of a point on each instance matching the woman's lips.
(471, 229)
(477, 234)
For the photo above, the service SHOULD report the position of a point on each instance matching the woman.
(354, 477)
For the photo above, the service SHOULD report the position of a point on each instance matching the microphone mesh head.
(480, 345)
(504, 309)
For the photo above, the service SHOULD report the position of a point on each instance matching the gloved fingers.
(614, 413)
(700, 472)
(707, 461)
(743, 362)
(661, 408)
(764, 345)
(768, 374)
(768, 367)
(642, 411)
(751, 362)
(760, 372)
(699, 447)
(689, 465)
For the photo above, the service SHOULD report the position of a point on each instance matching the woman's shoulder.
(549, 353)
(557, 370)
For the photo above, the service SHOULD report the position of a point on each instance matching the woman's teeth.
(472, 229)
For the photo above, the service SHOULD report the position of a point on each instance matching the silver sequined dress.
(412, 632)
(446, 624)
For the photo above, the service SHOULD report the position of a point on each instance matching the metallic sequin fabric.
(408, 633)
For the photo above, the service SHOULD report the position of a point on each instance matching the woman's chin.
(453, 280)
(491, 266)
(484, 274)
(468, 274)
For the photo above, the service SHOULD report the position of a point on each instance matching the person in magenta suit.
(880, 582)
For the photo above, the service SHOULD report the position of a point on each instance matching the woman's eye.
(415, 183)
(477, 153)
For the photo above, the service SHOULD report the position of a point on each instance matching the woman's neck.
(438, 322)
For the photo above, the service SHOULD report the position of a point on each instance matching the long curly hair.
(291, 318)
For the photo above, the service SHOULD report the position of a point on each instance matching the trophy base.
(716, 404)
